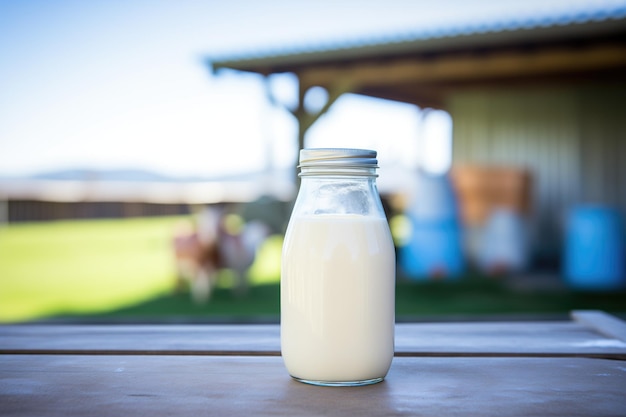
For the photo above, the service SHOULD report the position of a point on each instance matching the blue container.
(434, 248)
(594, 249)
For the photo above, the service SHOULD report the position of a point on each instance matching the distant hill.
(139, 175)
(132, 185)
(134, 175)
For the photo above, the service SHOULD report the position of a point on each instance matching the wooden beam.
(468, 67)
(306, 119)
(423, 97)
(335, 91)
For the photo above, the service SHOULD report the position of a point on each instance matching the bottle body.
(338, 284)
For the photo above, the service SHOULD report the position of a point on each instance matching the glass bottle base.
(339, 383)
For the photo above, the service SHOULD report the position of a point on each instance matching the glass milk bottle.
(338, 273)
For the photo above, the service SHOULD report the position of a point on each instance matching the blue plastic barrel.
(594, 249)
(434, 248)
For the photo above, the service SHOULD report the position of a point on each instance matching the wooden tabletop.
(569, 368)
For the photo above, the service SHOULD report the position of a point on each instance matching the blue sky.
(121, 84)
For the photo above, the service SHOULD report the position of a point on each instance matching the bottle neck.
(338, 194)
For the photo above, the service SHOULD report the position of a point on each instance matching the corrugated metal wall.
(603, 146)
(572, 140)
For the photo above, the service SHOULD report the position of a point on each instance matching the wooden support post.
(307, 119)
(304, 118)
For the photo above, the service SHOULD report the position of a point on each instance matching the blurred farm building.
(537, 106)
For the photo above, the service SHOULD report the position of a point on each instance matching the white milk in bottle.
(338, 273)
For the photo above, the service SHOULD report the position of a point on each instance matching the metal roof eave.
(291, 60)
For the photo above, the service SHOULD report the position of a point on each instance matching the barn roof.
(422, 66)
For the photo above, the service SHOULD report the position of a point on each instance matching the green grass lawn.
(96, 266)
(124, 270)
(82, 266)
